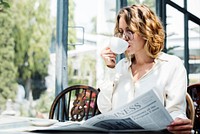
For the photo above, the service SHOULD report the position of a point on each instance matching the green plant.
(3, 5)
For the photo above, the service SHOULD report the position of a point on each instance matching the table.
(23, 124)
(26, 125)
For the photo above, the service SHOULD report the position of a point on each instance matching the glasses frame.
(127, 35)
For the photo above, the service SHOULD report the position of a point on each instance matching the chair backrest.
(194, 91)
(190, 111)
(75, 103)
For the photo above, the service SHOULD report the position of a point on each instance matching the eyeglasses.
(128, 35)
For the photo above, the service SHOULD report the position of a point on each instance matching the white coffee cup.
(118, 45)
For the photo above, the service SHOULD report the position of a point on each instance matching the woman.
(144, 67)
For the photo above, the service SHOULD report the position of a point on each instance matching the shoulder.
(171, 62)
(170, 58)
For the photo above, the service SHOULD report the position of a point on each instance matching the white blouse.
(167, 77)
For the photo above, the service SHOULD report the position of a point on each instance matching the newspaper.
(145, 112)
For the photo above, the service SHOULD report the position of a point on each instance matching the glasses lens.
(120, 35)
(128, 35)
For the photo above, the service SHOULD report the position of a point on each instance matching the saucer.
(43, 123)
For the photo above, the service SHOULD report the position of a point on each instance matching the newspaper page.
(145, 112)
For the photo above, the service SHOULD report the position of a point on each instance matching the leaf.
(5, 4)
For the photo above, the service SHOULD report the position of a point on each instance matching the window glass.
(175, 32)
(91, 23)
(105, 29)
(179, 2)
(193, 7)
(194, 52)
(27, 58)
(150, 3)
(97, 18)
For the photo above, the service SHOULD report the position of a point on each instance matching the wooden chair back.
(194, 91)
(190, 111)
(75, 103)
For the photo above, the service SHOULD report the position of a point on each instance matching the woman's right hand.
(109, 57)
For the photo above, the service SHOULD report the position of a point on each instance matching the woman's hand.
(180, 126)
(109, 57)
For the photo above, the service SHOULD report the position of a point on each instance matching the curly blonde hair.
(144, 22)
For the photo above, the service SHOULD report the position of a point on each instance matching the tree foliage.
(32, 37)
(8, 70)
(3, 5)
(25, 38)
(71, 24)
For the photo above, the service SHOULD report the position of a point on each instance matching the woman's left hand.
(180, 126)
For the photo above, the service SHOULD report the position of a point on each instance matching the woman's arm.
(176, 99)
(176, 89)
(104, 100)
